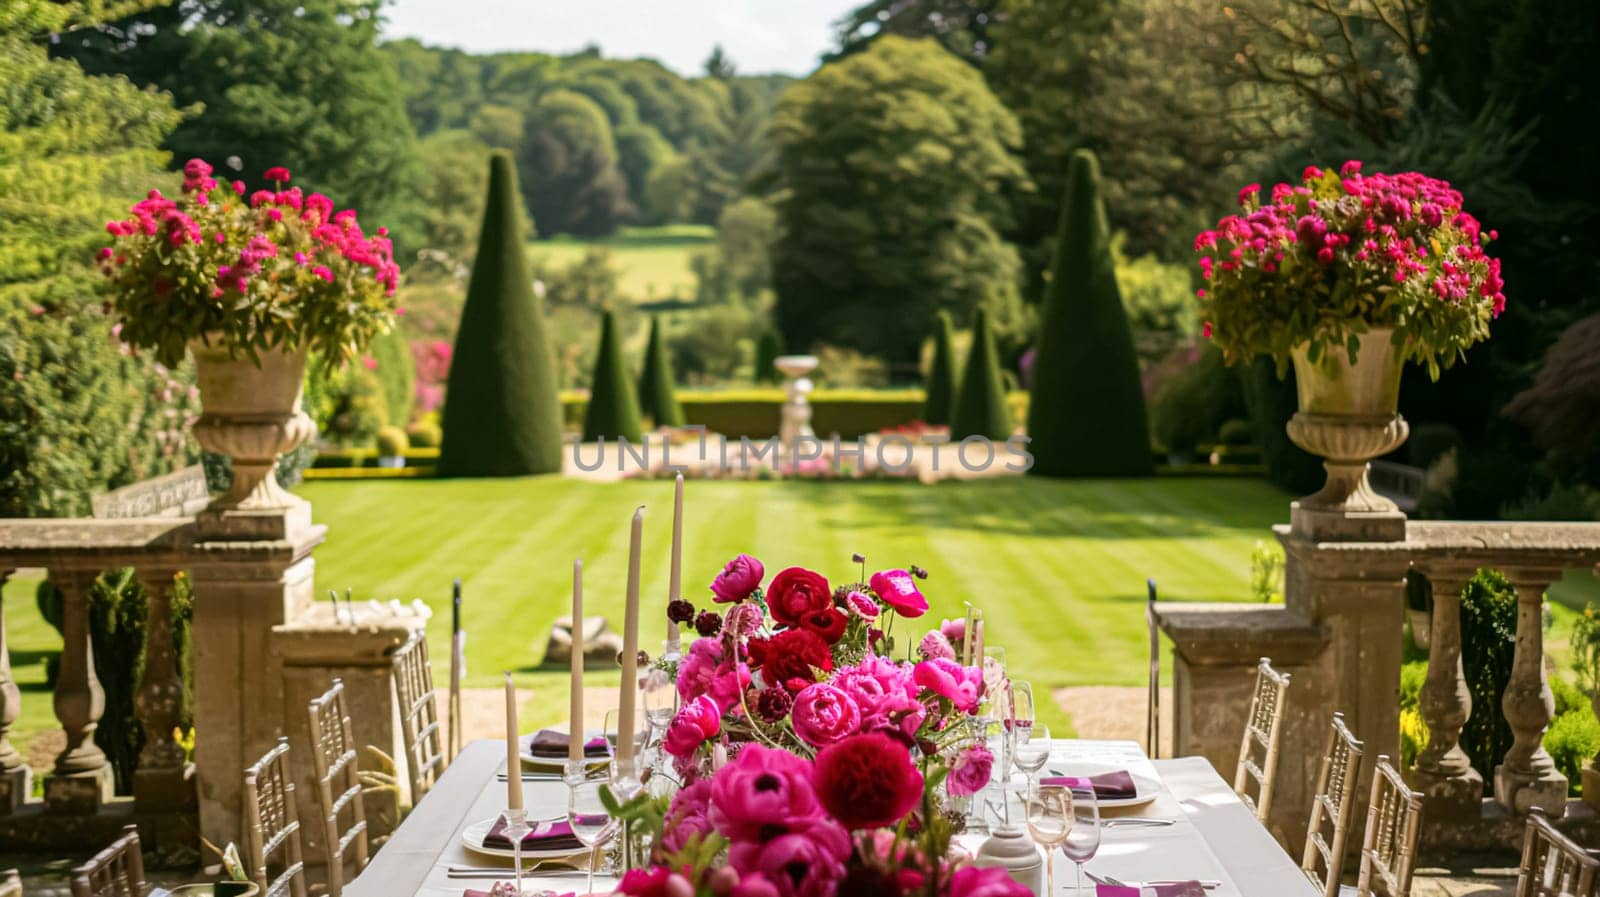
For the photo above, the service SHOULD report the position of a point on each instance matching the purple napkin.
(505, 887)
(1107, 785)
(552, 744)
(1165, 889)
(545, 836)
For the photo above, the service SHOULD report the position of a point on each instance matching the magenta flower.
(972, 881)
(962, 686)
(884, 692)
(738, 579)
(804, 864)
(823, 714)
(861, 605)
(687, 816)
(761, 793)
(934, 644)
(693, 724)
(698, 668)
(277, 173)
(970, 771)
(323, 272)
(898, 589)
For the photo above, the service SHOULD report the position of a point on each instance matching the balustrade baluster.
(82, 778)
(1528, 777)
(16, 779)
(1451, 788)
(159, 780)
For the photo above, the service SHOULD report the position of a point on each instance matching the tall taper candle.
(675, 581)
(630, 645)
(977, 643)
(575, 728)
(513, 754)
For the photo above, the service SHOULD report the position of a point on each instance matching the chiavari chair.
(1389, 847)
(1262, 729)
(117, 871)
(1333, 803)
(1553, 865)
(419, 715)
(333, 759)
(272, 825)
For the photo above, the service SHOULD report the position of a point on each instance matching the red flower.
(867, 781)
(797, 593)
(791, 654)
(829, 624)
(277, 173)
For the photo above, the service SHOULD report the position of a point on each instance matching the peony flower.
(739, 577)
(828, 624)
(686, 816)
(796, 593)
(753, 884)
(885, 694)
(694, 723)
(899, 591)
(934, 644)
(860, 604)
(698, 668)
(824, 714)
(762, 793)
(962, 686)
(954, 630)
(277, 173)
(991, 881)
(867, 781)
(743, 619)
(804, 864)
(791, 654)
(970, 771)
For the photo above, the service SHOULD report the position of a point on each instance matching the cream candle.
(630, 646)
(513, 752)
(575, 727)
(675, 579)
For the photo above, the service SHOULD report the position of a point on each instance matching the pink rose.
(970, 771)
(898, 589)
(686, 816)
(694, 722)
(824, 714)
(972, 881)
(738, 579)
(762, 792)
(861, 605)
(962, 686)
(934, 644)
(803, 864)
(698, 668)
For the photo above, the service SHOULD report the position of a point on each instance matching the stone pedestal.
(313, 650)
(795, 422)
(1591, 785)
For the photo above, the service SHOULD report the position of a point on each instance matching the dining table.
(1199, 830)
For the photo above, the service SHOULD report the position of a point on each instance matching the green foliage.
(745, 233)
(1271, 401)
(1085, 375)
(1234, 432)
(1266, 572)
(905, 217)
(502, 416)
(424, 434)
(657, 390)
(714, 345)
(397, 375)
(1159, 300)
(453, 194)
(1488, 643)
(1428, 442)
(641, 153)
(1189, 408)
(1585, 646)
(590, 283)
(347, 403)
(980, 407)
(1572, 740)
(1413, 731)
(768, 348)
(392, 442)
(568, 164)
(942, 377)
(77, 415)
(613, 411)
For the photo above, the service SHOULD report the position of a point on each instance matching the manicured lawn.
(1058, 566)
(652, 262)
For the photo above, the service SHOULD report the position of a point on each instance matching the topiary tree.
(502, 413)
(657, 397)
(1086, 414)
(613, 411)
(980, 407)
(768, 348)
(1488, 645)
(941, 375)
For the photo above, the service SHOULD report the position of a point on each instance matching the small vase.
(1347, 417)
(252, 414)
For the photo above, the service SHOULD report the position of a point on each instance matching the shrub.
(1413, 731)
(1586, 650)
(290, 471)
(1271, 401)
(657, 391)
(768, 348)
(392, 442)
(613, 411)
(1190, 407)
(1428, 442)
(349, 406)
(424, 434)
(1234, 432)
(1266, 572)
(942, 377)
(396, 371)
(1568, 697)
(980, 407)
(1488, 643)
(1572, 740)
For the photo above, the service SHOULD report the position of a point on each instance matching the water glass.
(590, 822)
(1050, 819)
(1083, 841)
(1030, 751)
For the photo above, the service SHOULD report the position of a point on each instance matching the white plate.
(559, 764)
(1145, 790)
(472, 836)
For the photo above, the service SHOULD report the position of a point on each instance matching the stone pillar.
(16, 779)
(242, 590)
(1528, 778)
(163, 780)
(1451, 789)
(82, 778)
(1591, 772)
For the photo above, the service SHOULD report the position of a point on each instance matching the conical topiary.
(941, 376)
(768, 347)
(1086, 416)
(613, 411)
(657, 396)
(502, 413)
(980, 406)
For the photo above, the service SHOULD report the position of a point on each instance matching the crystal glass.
(590, 822)
(613, 738)
(660, 696)
(1050, 819)
(1030, 752)
(517, 828)
(1083, 840)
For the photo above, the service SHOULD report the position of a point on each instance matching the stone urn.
(1347, 417)
(796, 415)
(252, 414)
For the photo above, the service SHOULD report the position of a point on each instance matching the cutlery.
(480, 872)
(1209, 885)
(535, 777)
(1139, 820)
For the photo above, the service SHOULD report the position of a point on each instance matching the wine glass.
(1049, 815)
(590, 822)
(1083, 841)
(613, 739)
(1030, 753)
(517, 828)
(660, 696)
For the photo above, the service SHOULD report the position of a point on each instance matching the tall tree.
(658, 395)
(980, 407)
(964, 27)
(942, 377)
(299, 83)
(896, 166)
(568, 162)
(613, 411)
(1086, 415)
(502, 413)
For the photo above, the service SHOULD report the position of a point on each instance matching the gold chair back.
(117, 871)
(10, 883)
(1332, 804)
(333, 759)
(1389, 847)
(1553, 865)
(419, 715)
(272, 825)
(1261, 732)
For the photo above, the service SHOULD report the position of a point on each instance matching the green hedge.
(348, 458)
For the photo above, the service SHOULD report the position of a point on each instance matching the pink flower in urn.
(761, 793)
(972, 881)
(934, 644)
(694, 723)
(276, 173)
(899, 591)
(824, 714)
(738, 579)
(962, 686)
(970, 771)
